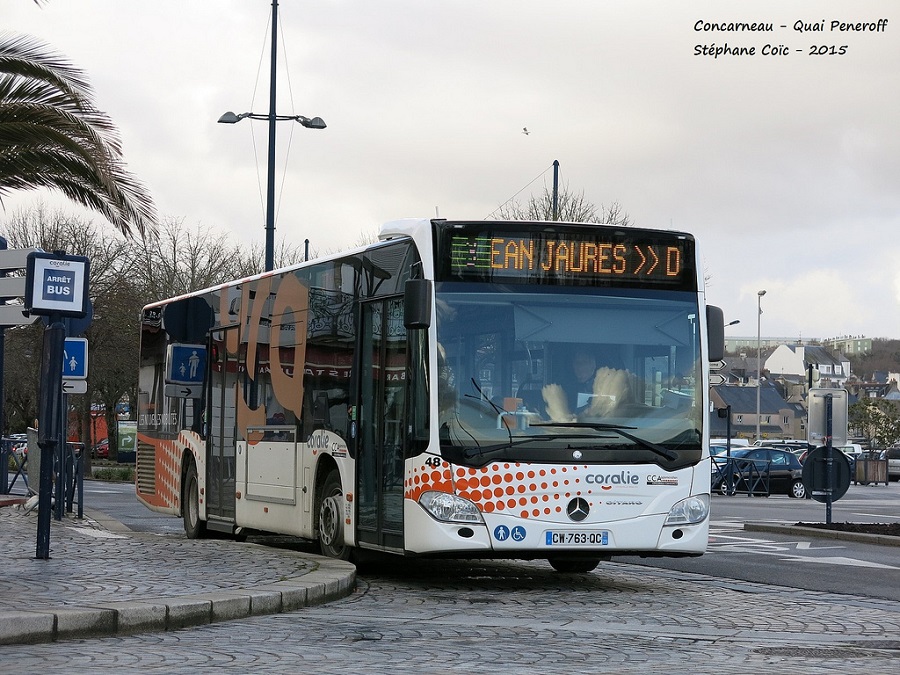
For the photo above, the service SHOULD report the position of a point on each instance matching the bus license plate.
(577, 538)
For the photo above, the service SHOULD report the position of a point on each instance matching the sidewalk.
(104, 579)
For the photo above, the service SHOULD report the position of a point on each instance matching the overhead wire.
(259, 67)
(293, 112)
(542, 173)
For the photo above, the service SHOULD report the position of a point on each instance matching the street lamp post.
(759, 295)
(314, 123)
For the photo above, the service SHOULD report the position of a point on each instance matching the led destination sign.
(572, 258)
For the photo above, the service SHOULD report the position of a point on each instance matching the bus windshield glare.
(572, 375)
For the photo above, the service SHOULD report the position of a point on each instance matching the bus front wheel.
(331, 519)
(194, 527)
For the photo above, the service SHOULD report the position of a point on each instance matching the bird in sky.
(525, 131)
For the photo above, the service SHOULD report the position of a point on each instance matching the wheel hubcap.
(329, 520)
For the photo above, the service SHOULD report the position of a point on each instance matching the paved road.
(796, 559)
(439, 617)
(515, 617)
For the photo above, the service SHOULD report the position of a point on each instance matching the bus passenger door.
(382, 402)
(220, 464)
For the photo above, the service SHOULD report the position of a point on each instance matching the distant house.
(778, 418)
(791, 363)
(863, 390)
(849, 344)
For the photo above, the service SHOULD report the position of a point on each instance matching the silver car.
(892, 455)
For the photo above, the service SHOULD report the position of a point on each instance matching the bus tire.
(573, 565)
(331, 518)
(194, 527)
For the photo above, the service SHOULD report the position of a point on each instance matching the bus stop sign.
(815, 474)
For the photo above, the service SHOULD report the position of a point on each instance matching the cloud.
(785, 168)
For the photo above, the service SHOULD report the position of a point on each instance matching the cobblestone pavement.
(103, 579)
(516, 617)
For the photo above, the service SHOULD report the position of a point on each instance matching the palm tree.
(52, 135)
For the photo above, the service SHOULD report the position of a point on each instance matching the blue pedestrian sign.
(187, 364)
(75, 359)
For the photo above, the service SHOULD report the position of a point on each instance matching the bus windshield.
(566, 374)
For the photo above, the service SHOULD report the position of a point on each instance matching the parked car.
(751, 467)
(101, 449)
(791, 445)
(735, 442)
(892, 455)
(840, 448)
(19, 445)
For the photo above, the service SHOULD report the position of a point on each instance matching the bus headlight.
(449, 508)
(689, 511)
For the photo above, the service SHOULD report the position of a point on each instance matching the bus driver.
(592, 393)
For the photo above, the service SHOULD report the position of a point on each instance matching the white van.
(735, 442)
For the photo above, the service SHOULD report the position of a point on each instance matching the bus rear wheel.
(331, 518)
(194, 527)
(573, 565)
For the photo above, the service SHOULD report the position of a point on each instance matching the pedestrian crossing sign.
(187, 364)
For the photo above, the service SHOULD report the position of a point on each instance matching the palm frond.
(53, 136)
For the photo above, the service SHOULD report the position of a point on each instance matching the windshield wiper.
(617, 428)
(482, 450)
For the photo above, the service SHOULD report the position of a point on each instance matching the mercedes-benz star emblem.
(578, 509)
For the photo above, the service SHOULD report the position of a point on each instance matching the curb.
(821, 533)
(332, 580)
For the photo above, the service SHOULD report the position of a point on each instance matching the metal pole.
(62, 470)
(555, 189)
(270, 185)
(3, 246)
(2, 368)
(759, 295)
(829, 457)
(48, 432)
(728, 477)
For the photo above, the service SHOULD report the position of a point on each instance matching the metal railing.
(67, 493)
(737, 475)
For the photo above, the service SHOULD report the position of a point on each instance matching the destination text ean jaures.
(821, 37)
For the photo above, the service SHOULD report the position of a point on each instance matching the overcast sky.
(785, 167)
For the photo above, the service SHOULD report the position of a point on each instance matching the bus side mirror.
(417, 304)
(715, 333)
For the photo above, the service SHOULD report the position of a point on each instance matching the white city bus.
(415, 396)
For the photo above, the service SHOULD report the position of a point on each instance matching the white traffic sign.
(57, 284)
(183, 390)
(74, 386)
(716, 379)
(15, 258)
(717, 365)
(12, 315)
(12, 287)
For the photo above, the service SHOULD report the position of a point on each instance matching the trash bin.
(871, 470)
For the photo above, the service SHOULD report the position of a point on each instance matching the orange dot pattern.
(167, 466)
(511, 488)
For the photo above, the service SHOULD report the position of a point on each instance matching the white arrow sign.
(11, 315)
(717, 365)
(716, 378)
(74, 386)
(12, 287)
(15, 258)
(183, 390)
